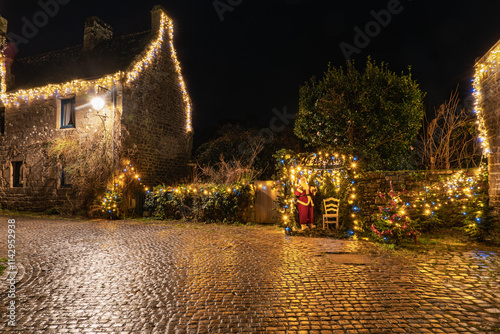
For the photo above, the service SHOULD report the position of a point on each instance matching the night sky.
(261, 52)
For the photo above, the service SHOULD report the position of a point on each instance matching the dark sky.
(257, 57)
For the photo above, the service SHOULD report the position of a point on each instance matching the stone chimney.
(156, 17)
(96, 31)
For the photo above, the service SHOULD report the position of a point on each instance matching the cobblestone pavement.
(135, 277)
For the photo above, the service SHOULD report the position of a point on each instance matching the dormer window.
(68, 113)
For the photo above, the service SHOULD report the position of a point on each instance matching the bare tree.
(449, 140)
(230, 172)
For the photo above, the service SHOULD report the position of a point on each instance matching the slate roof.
(73, 63)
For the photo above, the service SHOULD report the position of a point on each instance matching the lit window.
(68, 113)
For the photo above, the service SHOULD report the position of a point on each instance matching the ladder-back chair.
(331, 215)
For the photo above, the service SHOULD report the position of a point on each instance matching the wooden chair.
(331, 215)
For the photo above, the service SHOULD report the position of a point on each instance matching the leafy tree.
(375, 115)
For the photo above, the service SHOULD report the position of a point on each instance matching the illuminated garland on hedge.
(319, 168)
(484, 69)
(460, 188)
(462, 193)
(200, 190)
(77, 86)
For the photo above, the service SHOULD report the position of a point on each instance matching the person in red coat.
(305, 205)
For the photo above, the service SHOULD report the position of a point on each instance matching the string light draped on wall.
(90, 86)
(484, 69)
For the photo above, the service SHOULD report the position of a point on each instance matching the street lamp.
(98, 104)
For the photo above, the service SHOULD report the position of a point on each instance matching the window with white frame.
(68, 113)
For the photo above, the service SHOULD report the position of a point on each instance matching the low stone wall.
(413, 182)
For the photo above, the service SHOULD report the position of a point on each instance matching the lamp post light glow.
(97, 103)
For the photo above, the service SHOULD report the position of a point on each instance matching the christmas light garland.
(458, 191)
(3, 74)
(319, 168)
(484, 69)
(78, 86)
(112, 198)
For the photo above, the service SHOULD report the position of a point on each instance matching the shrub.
(392, 223)
(207, 202)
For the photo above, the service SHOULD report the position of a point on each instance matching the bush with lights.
(392, 224)
(458, 201)
(201, 202)
(334, 175)
(114, 204)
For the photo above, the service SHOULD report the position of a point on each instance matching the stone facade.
(487, 94)
(151, 116)
(140, 78)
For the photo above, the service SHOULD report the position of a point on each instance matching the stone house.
(144, 105)
(486, 91)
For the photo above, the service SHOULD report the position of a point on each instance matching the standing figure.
(305, 205)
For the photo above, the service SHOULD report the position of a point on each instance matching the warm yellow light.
(82, 86)
(97, 103)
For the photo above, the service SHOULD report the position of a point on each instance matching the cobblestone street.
(134, 277)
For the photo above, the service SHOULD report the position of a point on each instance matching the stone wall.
(29, 126)
(487, 86)
(155, 122)
(413, 182)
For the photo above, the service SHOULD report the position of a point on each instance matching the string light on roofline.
(3, 73)
(483, 69)
(51, 90)
(78, 86)
(182, 84)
